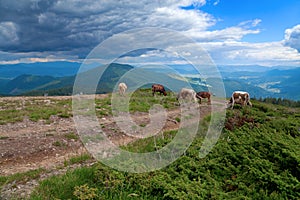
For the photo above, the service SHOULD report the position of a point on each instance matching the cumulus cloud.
(72, 28)
(76, 26)
(245, 53)
(230, 33)
(292, 37)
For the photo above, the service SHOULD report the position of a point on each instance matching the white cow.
(122, 89)
(187, 95)
(239, 97)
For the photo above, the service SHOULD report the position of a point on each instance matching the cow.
(158, 88)
(122, 89)
(203, 95)
(187, 95)
(239, 97)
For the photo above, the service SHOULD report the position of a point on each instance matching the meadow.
(256, 157)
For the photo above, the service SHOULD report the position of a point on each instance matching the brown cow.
(239, 97)
(203, 95)
(158, 88)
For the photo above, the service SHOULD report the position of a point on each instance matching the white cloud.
(234, 33)
(72, 28)
(216, 2)
(244, 53)
(292, 37)
(180, 20)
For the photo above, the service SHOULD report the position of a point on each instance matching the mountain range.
(57, 78)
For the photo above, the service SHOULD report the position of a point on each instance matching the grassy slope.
(257, 157)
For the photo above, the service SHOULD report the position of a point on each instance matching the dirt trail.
(29, 145)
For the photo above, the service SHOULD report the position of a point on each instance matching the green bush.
(84, 192)
(256, 158)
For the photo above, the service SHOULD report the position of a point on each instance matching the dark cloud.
(78, 26)
(292, 37)
(8, 33)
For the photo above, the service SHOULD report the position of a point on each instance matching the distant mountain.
(264, 82)
(56, 69)
(25, 83)
(283, 83)
(251, 68)
(288, 83)
(254, 91)
(38, 85)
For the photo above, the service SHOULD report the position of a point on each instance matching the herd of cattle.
(238, 97)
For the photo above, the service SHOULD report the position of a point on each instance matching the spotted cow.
(239, 97)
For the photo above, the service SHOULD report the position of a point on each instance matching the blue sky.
(234, 32)
(276, 16)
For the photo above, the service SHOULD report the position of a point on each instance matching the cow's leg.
(250, 104)
(232, 102)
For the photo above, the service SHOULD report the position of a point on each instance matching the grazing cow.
(203, 95)
(239, 97)
(187, 95)
(158, 88)
(122, 89)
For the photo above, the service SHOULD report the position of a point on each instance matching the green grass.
(10, 116)
(78, 159)
(150, 144)
(62, 187)
(142, 100)
(58, 144)
(35, 109)
(256, 157)
(40, 108)
(21, 177)
(71, 136)
(103, 107)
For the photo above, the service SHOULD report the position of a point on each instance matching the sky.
(233, 32)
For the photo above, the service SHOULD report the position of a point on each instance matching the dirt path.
(29, 145)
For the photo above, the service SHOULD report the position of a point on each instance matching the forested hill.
(38, 79)
(36, 85)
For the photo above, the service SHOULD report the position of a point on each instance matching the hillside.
(35, 85)
(55, 69)
(57, 78)
(257, 155)
(278, 83)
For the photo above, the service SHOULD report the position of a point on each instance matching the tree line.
(280, 101)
